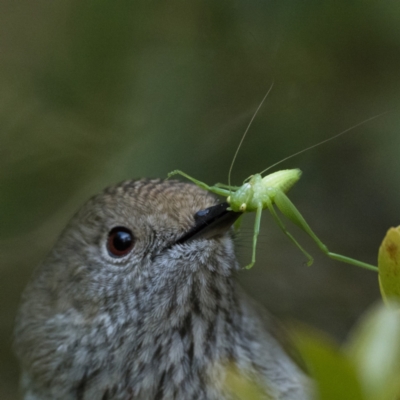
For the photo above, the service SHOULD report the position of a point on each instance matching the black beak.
(211, 222)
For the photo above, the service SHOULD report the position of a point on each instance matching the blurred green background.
(94, 92)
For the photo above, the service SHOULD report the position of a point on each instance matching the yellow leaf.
(389, 265)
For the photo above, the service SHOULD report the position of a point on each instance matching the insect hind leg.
(291, 212)
(281, 225)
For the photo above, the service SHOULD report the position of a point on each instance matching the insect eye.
(120, 241)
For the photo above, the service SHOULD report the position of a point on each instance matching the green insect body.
(251, 194)
(258, 193)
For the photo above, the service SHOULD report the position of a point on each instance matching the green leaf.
(334, 373)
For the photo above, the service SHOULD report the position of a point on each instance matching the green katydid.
(258, 193)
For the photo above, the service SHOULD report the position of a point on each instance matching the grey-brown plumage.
(159, 322)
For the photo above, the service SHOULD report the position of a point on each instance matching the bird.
(138, 299)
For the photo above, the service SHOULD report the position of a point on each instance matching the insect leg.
(222, 185)
(213, 189)
(255, 235)
(237, 224)
(271, 208)
(291, 212)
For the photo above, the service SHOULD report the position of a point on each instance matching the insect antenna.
(245, 133)
(324, 141)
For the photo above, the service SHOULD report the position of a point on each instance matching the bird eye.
(120, 241)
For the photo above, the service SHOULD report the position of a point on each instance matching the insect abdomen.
(283, 179)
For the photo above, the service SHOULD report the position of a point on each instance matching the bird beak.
(211, 222)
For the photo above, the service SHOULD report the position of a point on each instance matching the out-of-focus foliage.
(243, 387)
(389, 265)
(367, 367)
(94, 92)
(374, 347)
(334, 374)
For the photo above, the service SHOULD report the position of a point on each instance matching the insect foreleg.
(213, 189)
(222, 185)
(281, 225)
(290, 211)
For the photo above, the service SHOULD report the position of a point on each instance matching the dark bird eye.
(120, 241)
